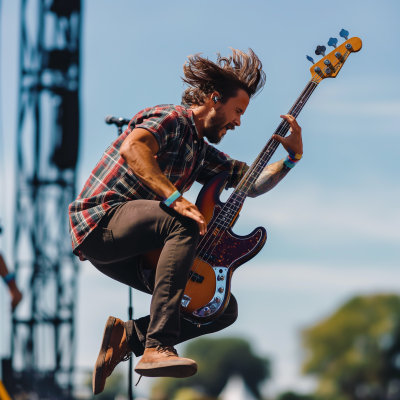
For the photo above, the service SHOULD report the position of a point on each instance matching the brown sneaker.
(114, 349)
(164, 361)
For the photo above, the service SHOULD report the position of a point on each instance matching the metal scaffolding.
(43, 330)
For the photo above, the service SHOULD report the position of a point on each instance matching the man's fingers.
(200, 221)
(288, 117)
(291, 120)
(187, 209)
(277, 138)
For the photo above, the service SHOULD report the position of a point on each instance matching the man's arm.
(269, 178)
(16, 295)
(138, 150)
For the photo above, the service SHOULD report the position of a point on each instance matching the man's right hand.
(16, 297)
(187, 209)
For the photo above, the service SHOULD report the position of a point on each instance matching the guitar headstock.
(331, 64)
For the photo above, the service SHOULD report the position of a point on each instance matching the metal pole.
(130, 314)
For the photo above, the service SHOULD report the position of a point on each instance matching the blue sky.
(333, 223)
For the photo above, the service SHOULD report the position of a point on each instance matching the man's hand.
(16, 297)
(294, 141)
(187, 209)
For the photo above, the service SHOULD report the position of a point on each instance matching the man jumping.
(133, 203)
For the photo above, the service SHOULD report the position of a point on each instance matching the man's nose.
(237, 121)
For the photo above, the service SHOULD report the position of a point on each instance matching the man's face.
(225, 116)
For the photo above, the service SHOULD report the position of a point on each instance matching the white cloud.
(390, 109)
(326, 212)
(318, 277)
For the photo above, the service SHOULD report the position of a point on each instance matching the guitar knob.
(348, 46)
(332, 42)
(320, 51)
(221, 289)
(317, 70)
(327, 62)
(327, 71)
(220, 277)
(338, 55)
(344, 34)
(310, 59)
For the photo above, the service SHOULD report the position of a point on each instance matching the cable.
(2, 187)
(2, 165)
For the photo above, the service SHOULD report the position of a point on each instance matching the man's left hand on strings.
(294, 141)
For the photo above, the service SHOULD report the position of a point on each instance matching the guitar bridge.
(185, 300)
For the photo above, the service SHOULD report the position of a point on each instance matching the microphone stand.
(130, 312)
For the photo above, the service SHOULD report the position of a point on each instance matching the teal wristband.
(290, 162)
(172, 198)
(10, 277)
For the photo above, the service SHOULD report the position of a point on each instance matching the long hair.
(229, 74)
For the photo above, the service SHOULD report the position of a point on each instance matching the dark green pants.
(114, 248)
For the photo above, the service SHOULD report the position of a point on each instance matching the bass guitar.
(221, 251)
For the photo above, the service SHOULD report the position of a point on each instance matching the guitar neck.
(237, 198)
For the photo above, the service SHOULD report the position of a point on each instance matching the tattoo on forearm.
(269, 178)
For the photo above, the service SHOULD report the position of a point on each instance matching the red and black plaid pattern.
(182, 157)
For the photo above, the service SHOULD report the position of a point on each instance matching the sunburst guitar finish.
(218, 255)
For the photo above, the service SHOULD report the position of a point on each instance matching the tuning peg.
(320, 51)
(344, 34)
(310, 59)
(332, 42)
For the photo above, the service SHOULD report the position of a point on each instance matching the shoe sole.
(98, 368)
(155, 370)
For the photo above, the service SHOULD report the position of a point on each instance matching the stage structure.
(43, 333)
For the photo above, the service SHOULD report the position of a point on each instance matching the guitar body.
(218, 255)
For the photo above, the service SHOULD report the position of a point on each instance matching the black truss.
(43, 332)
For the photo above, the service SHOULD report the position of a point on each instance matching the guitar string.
(312, 81)
(281, 130)
(309, 88)
(299, 105)
(250, 173)
(279, 127)
(221, 232)
(272, 145)
(223, 225)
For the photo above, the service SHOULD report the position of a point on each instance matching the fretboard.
(235, 201)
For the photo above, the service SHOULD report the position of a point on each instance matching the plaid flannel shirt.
(182, 157)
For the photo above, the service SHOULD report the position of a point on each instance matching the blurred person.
(133, 203)
(9, 279)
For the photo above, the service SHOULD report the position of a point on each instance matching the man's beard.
(214, 126)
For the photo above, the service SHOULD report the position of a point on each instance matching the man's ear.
(215, 96)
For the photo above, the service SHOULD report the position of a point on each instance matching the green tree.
(218, 360)
(355, 352)
(295, 396)
(190, 394)
(114, 386)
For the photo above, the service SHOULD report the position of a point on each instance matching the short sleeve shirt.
(182, 157)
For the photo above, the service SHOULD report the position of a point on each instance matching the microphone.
(117, 121)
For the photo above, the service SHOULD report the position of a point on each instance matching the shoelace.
(163, 349)
(124, 356)
(167, 350)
